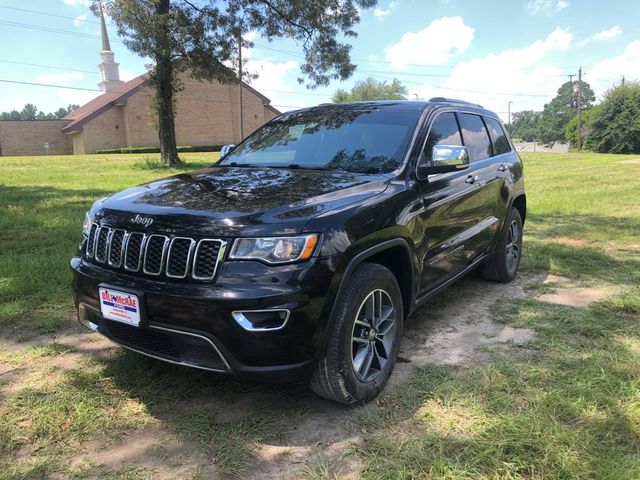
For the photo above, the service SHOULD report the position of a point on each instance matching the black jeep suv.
(299, 255)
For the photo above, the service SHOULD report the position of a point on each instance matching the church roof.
(118, 96)
(102, 103)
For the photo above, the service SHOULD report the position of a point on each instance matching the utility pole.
(240, 78)
(571, 77)
(579, 141)
(509, 115)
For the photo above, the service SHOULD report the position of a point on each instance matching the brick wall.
(206, 114)
(27, 137)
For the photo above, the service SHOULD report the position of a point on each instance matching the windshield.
(362, 139)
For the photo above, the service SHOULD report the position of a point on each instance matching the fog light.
(261, 320)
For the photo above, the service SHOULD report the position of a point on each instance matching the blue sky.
(489, 52)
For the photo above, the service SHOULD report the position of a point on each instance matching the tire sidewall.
(502, 251)
(359, 390)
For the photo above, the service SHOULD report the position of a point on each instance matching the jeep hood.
(230, 201)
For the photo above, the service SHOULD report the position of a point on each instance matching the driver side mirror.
(444, 159)
(224, 151)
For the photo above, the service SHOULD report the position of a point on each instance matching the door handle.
(502, 167)
(472, 179)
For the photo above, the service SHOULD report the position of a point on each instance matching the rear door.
(487, 180)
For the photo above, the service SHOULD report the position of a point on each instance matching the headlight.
(86, 226)
(274, 250)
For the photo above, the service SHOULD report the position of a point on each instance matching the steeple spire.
(108, 67)
(103, 31)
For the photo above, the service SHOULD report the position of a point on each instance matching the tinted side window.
(498, 137)
(444, 131)
(475, 135)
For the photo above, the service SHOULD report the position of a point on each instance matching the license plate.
(120, 306)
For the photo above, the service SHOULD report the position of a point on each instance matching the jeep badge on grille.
(146, 221)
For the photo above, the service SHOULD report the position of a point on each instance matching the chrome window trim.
(221, 252)
(189, 257)
(162, 256)
(126, 253)
(244, 322)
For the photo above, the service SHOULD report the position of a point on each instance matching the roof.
(118, 96)
(404, 105)
(102, 103)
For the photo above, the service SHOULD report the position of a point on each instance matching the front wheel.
(364, 338)
(503, 265)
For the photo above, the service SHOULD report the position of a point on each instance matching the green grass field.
(566, 405)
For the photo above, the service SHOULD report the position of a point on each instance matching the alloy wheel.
(373, 335)
(513, 245)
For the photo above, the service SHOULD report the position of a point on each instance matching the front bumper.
(192, 324)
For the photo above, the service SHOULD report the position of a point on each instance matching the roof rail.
(453, 100)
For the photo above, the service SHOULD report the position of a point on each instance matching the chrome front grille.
(155, 255)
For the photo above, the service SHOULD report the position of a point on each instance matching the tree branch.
(287, 19)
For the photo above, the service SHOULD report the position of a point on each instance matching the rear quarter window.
(498, 137)
(475, 136)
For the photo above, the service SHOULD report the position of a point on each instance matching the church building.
(206, 113)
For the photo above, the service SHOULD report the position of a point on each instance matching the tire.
(503, 264)
(337, 376)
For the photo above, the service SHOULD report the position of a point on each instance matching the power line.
(49, 66)
(51, 30)
(122, 91)
(286, 52)
(48, 14)
(50, 85)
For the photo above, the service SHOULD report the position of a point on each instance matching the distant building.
(207, 113)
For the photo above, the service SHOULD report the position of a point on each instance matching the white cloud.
(546, 7)
(380, 13)
(272, 83)
(78, 97)
(78, 3)
(79, 20)
(607, 72)
(436, 44)
(59, 77)
(8, 103)
(126, 75)
(602, 36)
(516, 71)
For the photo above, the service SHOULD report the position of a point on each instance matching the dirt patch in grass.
(252, 431)
(631, 160)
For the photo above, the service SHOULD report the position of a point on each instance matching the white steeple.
(108, 67)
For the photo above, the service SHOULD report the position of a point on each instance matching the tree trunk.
(164, 94)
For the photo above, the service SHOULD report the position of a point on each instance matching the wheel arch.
(394, 254)
(519, 202)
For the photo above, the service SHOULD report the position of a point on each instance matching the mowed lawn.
(566, 405)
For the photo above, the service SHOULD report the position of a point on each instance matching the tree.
(201, 38)
(31, 112)
(588, 117)
(372, 89)
(524, 125)
(616, 126)
(559, 112)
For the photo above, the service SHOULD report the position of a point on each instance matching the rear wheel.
(503, 265)
(365, 338)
